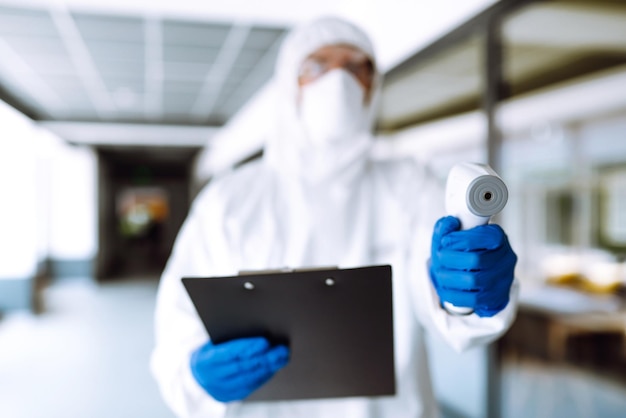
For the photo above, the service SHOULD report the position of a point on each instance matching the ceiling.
(138, 75)
(170, 74)
(544, 43)
(86, 64)
(62, 64)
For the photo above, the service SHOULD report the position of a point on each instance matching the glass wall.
(564, 157)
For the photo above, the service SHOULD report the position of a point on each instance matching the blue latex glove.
(232, 370)
(472, 268)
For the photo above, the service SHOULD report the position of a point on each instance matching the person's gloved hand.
(232, 370)
(472, 268)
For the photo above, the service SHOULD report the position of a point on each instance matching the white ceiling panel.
(30, 22)
(179, 102)
(110, 28)
(51, 64)
(186, 33)
(182, 86)
(36, 45)
(186, 71)
(191, 54)
(118, 51)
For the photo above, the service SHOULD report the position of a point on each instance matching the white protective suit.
(308, 205)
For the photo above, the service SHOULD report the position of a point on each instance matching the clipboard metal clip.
(285, 270)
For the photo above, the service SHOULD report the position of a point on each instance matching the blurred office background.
(114, 113)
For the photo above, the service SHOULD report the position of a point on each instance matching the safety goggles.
(333, 57)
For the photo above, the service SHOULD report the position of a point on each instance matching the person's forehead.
(338, 50)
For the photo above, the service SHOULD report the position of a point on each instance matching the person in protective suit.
(318, 197)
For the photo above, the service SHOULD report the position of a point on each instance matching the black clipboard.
(338, 324)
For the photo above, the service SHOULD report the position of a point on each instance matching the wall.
(19, 246)
(47, 206)
(73, 211)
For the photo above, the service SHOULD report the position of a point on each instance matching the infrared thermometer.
(474, 193)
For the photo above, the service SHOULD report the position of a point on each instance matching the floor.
(535, 389)
(86, 356)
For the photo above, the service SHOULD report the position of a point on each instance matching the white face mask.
(332, 108)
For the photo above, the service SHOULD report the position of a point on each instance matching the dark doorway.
(144, 196)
